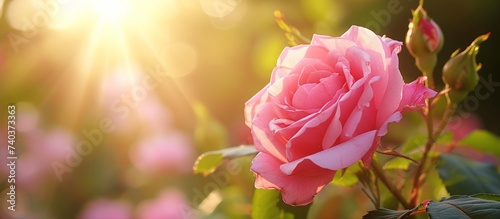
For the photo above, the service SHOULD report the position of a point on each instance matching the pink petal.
(394, 45)
(263, 137)
(415, 94)
(396, 117)
(354, 120)
(359, 61)
(309, 138)
(253, 105)
(296, 189)
(291, 56)
(387, 98)
(338, 157)
(279, 72)
(334, 130)
(332, 43)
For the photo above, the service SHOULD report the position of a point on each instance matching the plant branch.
(431, 139)
(379, 172)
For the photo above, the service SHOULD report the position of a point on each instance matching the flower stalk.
(379, 172)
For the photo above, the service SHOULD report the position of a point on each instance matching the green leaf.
(493, 197)
(416, 142)
(397, 163)
(413, 143)
(209, 161)
(458, 207)
(383, 213)
(268, 204)
(483, 141)
(348, 177)
(465, 177)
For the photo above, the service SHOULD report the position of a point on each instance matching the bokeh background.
(115, 99)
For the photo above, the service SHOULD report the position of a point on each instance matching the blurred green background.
(168, 81)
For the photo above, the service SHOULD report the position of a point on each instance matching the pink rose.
(325, 108)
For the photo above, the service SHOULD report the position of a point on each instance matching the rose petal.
(334, 129)
(359, 61)
(311, 133)
(254, 104)
(338, 157)
(396, 117)
(332, 43)
(291, 56)
(387, 98)
(352, 123)
(415, 94)
(296, 189)
(263, 137)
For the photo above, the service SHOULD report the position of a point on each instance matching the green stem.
(379, 172)
(432, 137)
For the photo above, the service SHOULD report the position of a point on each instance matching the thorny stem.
(379, 172)
(431, 139)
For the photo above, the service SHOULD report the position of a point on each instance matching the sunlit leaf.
(483, 141)
(209, 161)
(413, 143)
(347, 179)
(417, 141)
(464, 207)
(466, 177)
(268, 204)
(209, 133)
(292, 34)
(397, 163)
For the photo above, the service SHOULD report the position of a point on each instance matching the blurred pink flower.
(106, 209)
(41, 149)
(130, 103)
(462, 126)
(154, 114)
(172, 151)
(27, 117)
(170, 204)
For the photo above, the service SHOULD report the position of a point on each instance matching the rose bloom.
(325, 108)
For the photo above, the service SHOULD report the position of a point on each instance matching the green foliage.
(483, 141)
(464, 207)
(347, 177)
(492, 197)
(483, 206)
(411, 151)
(268, 204)
(208, 162)
(384, 213)
(465, 177)
(397, 163)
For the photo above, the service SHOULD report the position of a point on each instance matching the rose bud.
(424, 40)
(460, 72)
